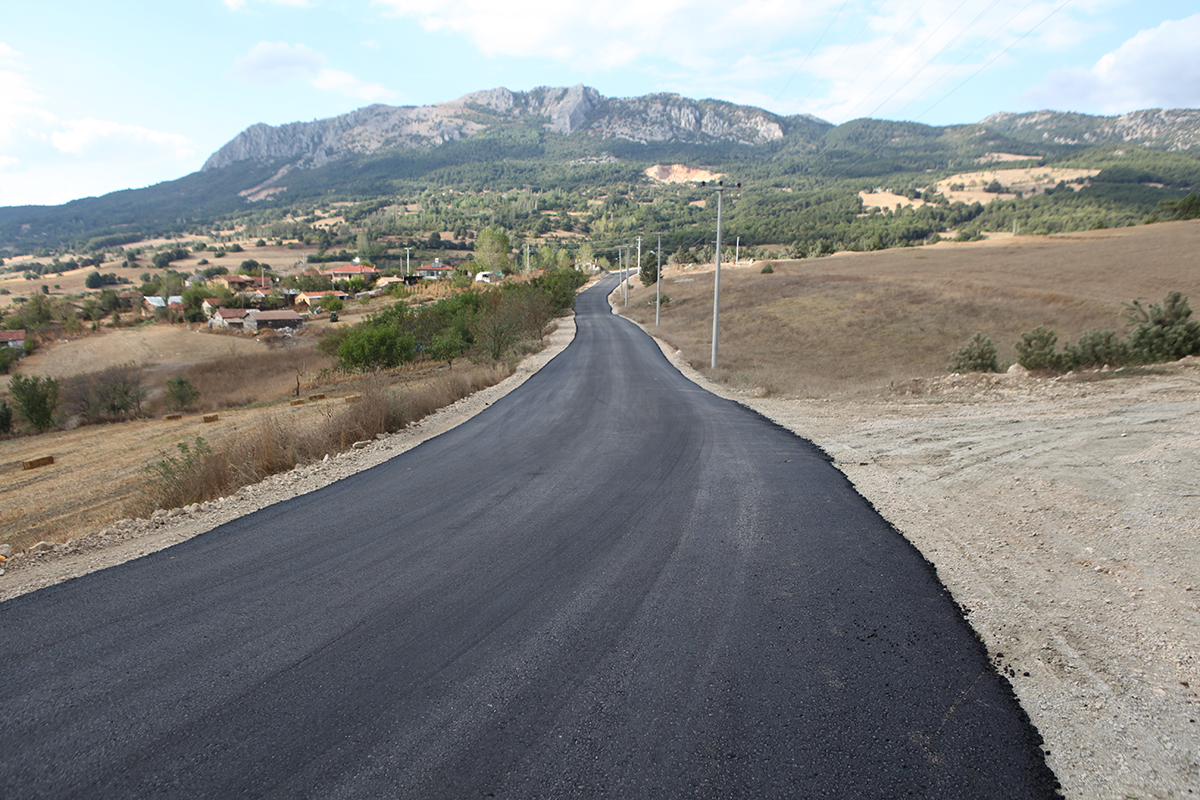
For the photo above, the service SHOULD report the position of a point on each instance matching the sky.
(99, 97)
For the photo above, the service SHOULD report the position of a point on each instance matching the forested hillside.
(800, 182)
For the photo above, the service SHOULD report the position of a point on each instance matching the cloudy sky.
(97, 97)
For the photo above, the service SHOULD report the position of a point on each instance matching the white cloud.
(604, 35)
(50, 159)
(828, 57)
(279, 63)
(82, 136)
(1156, 68)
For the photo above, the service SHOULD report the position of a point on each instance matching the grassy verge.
(201, 471)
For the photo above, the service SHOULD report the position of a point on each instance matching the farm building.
(13, 339)
(275, 320)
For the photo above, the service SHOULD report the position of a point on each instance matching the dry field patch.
(854, 323)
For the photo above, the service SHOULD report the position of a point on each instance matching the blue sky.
(97, 97)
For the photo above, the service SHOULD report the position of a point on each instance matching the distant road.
(610, 584)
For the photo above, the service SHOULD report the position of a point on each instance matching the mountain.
(563, 111)
(573, 140)
(1161, 129)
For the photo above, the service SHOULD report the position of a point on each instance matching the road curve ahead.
(610, 584)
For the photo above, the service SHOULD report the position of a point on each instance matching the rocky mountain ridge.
(565, 111)
(1163, 129)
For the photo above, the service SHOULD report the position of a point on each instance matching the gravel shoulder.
(1062, 515)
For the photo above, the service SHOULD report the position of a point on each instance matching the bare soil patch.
(1027, 181)
(679, 173)
(887, 200)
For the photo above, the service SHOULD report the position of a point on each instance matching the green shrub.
(172, 482)
(6, 417)
(112, 393)
(978, 355)
(368, 347)
(447, 346)
(8, 357)
(180, 393)
(1097, 349)
(1036, 350)
(767, 269)
(1164, 332)
(37, 399)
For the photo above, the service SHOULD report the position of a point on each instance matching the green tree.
(1164, 332)
(447, 346)
(180, 393)
(1036, 350)
(6, 417)
(373, 347)
(36, 398)
(492, 247)
(978, 355)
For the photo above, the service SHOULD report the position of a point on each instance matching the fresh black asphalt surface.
(610, 584)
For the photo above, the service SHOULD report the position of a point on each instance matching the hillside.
(573, 141)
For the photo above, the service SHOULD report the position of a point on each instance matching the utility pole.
(717, 275)
(658, 281)
(639, 260)
(737, 250)
(624, 251)
(527, 258)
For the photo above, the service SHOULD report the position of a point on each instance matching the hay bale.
(34, 463)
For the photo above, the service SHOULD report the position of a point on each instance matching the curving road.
(611, 584)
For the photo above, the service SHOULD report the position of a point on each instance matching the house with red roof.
(14, 340)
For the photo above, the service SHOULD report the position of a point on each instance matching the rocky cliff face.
(565, 111)
(1164, 129)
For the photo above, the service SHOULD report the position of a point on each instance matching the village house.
(255, 321)
(243, 283)
(344, 272)
(435, 271)
(211, 305)
(227, 319)
(14, 340)
(306, 301)
(388, 280)
(154, 304)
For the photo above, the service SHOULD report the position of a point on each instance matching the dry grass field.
(99, 471)
(250, 382)
(854, 324)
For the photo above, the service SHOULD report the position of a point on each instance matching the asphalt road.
(610, 584)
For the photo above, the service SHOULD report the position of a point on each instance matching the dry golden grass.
(98, 475)
(854, 323)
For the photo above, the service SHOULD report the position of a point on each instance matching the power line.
(813, 50)
(998, 55)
